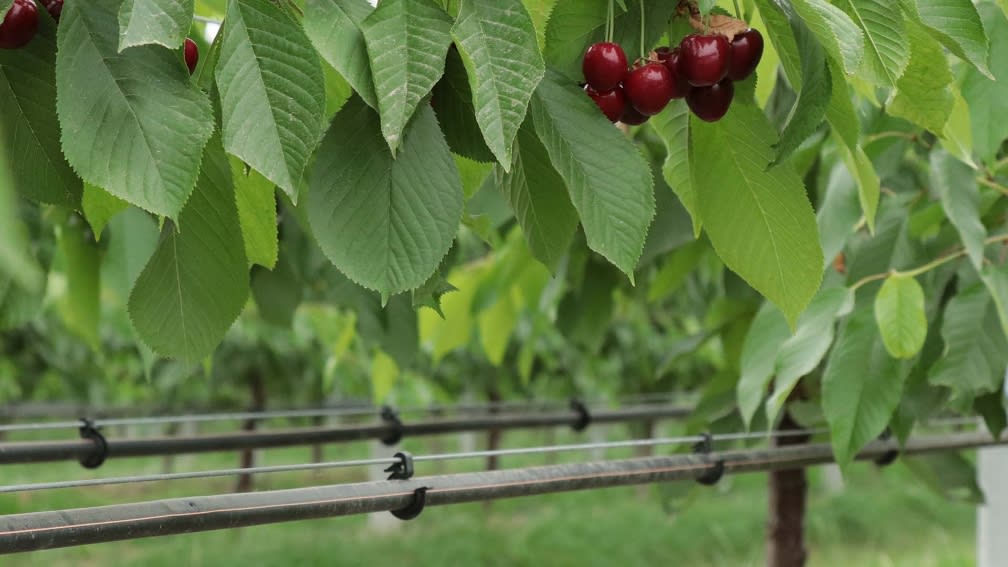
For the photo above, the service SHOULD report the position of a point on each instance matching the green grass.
(883, 518)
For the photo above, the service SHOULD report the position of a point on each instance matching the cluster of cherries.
(703, 70)
(21, 23)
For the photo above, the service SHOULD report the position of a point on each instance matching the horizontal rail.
(65, 528)
(76, 449)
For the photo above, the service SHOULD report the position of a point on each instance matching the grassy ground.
(882, 518)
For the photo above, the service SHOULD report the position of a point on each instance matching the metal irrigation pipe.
(64, 528)
(76, 449)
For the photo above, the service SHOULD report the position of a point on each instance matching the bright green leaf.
(923, 94)
(987, 99)
(899, 312)
(164, 22)
(384, 373)
(99, 206)
(767, 333)
(81, 262)
(886, 52)
(841, 37)
(254, 195)
(672, 126)
(957, 25)
(956, 184)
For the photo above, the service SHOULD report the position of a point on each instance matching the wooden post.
(786, 520)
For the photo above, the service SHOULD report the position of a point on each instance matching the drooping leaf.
(767, 333)
(16, 263)
(277, 292)
(272, 92)
(976, 350)
(861, 386)
(608, 180)
(923, 94)
(996, 279)
(333, 26)
(957, 25)
(81, 305)
(135, 125)
(899, 312)
(809, 109)
(539, 198)
(407, 41)
(496, 39)
(196, 284)
(759, 220)
(164, 22)
(842, 38)
(960, 196)
(99, 206)
(257, 213)
(28, 97)
(886, 51)
(452, 101)
(672, 126)
(413, 202)
(867, 179)
(987, 99)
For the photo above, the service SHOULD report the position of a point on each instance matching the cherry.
(604, 65)
(649, 88)
(19, 25)
(191, 55)
(54, 7)
(704, 59)
(746, 52)
(672, 59)
(711, 103)
(610, 103)
(631, 117)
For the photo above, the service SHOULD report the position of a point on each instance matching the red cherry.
(19, 25)
(711, 103)
(649, 88)
(673, 60)
(604, 65)
(746, 52)
(611, 103)
(704, 59)
(54, 7)
(631, 117)
(191, 55)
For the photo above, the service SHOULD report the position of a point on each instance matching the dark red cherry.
(649, 88)
(611, 103)
(54, 7)
(191, 55)
(746, 52)
(19, 25)
(704, 59)
(604, 66)
(631, 117)
(673, 60)
(711, 103)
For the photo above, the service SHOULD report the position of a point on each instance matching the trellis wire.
(65, 528)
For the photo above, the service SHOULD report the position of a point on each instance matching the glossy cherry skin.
(704, 59)
(672, 59)
(649, 88)
(746, 52)
(611, 103)
(191, 55)
(604, 66)
(19, 25)
(711, 103)
(631, 117)
(54, 7)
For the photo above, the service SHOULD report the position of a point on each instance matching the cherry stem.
(738, 13)
(610, 23)
(642, 53)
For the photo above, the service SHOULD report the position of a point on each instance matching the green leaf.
(841, 113)
(672, 126)
(496, 325)
(759, 220)
(277, 292)
(540, 11)
(838, 212)
(988, 98)
(608, 180)
(272, 92)
(867, 179)
(333, 26)
(539, 199)
(899, 312)
(81, 262)
(99, 206)
(767, 333)
(802, 352)
(384, 373)
(923, 94)
(861, 386)
(28, 97)
(992, 408)
(452, 101)
(197, 282)
(164, 22)
(950, 475)
(496, 39)
(957, 25)
(841, 37)
(957, 139)
(413, 202)
(16, 262)
(996, 279)
(976, 350)
(135, 125)
(407, 41)
(886, 52)
(809, 109)
(956, 184)
(257, 213)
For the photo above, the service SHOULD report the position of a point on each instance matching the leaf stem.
(993, 185)
(932, 265)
